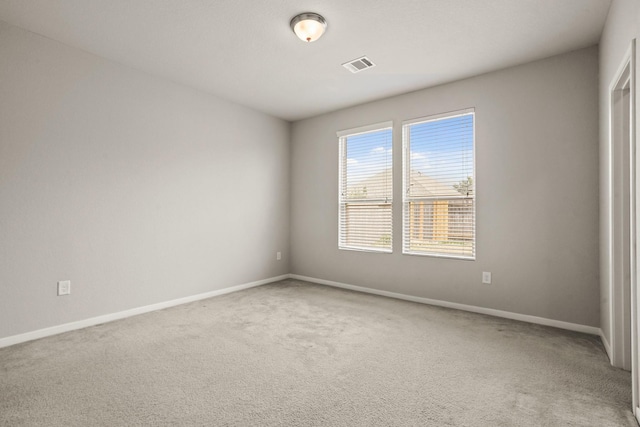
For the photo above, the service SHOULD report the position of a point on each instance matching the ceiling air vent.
(359, 64)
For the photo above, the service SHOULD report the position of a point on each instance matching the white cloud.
(420, 162)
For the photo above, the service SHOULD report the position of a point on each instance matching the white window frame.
(406, 165)
(342, 166)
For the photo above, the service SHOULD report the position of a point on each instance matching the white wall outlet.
(64, 287)
(486, 277)
(278, 256)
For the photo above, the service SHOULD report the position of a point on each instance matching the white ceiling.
(244, 50)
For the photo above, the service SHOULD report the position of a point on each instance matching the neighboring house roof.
(425, 186)
(378, 186)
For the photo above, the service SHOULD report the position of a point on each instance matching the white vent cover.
(357, 65)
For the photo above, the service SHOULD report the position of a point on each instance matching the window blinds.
(439, 192)
(366, 189)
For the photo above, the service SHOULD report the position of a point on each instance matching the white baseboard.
(54, 330)
(72, 326)
(606, 344)
(490, 311)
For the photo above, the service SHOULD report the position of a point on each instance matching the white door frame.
(623, 261)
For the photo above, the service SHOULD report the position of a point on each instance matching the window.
(366, 188)
(439, 186)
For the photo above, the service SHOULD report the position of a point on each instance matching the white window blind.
(366, 189)
(439, 193)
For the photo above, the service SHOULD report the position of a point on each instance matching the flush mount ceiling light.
(308, 26)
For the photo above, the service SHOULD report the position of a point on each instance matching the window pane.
(441, 155)
(368, 165)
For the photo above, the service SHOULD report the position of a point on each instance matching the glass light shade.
(309, 26)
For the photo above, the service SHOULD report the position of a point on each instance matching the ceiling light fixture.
(308, 26)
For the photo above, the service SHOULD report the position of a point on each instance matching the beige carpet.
(296, 354)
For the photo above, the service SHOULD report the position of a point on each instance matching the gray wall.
(537, 189)
(136, 189)
(623, 25)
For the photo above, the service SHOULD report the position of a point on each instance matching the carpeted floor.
(296, 354)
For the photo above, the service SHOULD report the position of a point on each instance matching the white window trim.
(365, 129)
(342, 161)
(406, 162)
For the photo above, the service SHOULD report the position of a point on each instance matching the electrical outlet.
(486, 277)
(278, 256)
(64, 287)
